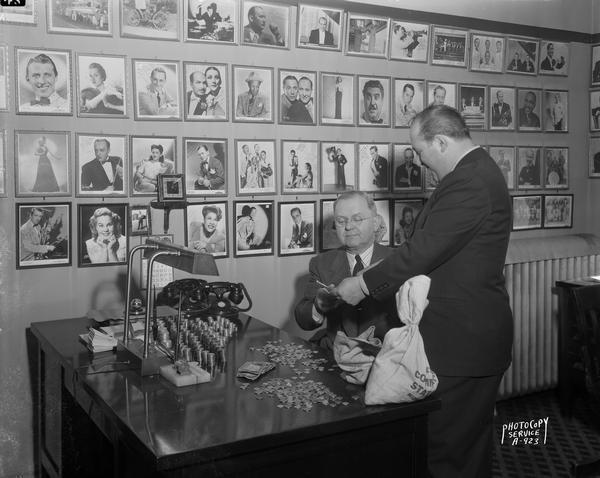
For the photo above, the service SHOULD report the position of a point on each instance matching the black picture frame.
(171, 188)
(253, 239)
(55, 222)
(297, 239)
(200, 237)
(140, 220)
(91, 252)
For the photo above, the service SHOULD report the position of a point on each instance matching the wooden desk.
(99, 418)
(570, 369)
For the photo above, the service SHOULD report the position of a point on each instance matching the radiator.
(532, 268)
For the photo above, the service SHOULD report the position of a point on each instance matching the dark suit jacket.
(330, 268)
(303, 237)
(314, 37)
(94, 177)
(198, 110)
(460, 241)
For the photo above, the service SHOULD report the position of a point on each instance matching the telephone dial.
(205, 298)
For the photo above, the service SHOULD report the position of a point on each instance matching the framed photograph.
(42, 163)
(26, 15)
(206, 91)
(504, 156)
(430, 181)
(253, 93)
(473, 105)
(530, 170)
(4, 78)
(102, 239)
(374, 94)
(43, 235)
(522, 56)
(405, 213)
(150, 156)
(265, 24)
(254, 225)
(82, 18)
(320, 27)
(338, 165)
(2, 163)
(409, 100)
(367, 36)
(206, 228)
(297, 97)
(487, 53)
(337, 99)
(441, 93)
(596, 65)
(170, 187)
(255, 162)
(205, 166)
(556, 111)
(503, 108)
(408, 176)
(152, 19)
(594, 157)
(52, 96)
(383, 233)
(374, 167)
(558, 211)
(296, 228)
(329, 236)
(449, 47)
(554, 58)
(409, 41)
(101, 86)
(529, 101)
(156, 90)
(211, 21)
(299, 167)
(595, 110)
(556, 168)
(527, 212)
(139, 220)
(101, 165)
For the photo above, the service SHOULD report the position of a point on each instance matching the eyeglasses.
(354, 221)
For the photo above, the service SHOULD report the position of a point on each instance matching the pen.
(321, 284)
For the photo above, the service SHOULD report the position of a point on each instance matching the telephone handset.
(224, 298)
(192, 291)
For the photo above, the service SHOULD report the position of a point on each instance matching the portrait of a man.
(487, 53)
(255, 162)
(206, 92)
(556, 111)
(529, 101)
(156, 86)
(554, 58)
(253, 90)
(373, 167)
(374, 99)
(338, 164)
(296, 228)
(319, 27)
(211, 20)
(530, 174)
(253, 228)
(441, 93)
(504, 156)
(205, 167)
(101, 169)
(408, 101)
(410, 41)
(503, 106)
(522, 56)
(265, 24)
(367, 36)
(407, 171)
(43, 235)
(297, 98)
(44, 82)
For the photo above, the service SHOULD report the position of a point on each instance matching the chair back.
(587, 306)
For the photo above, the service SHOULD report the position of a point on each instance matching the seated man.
(356, 222)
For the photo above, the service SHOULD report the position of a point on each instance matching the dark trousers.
(461, 432)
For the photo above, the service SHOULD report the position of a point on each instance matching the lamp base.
(134, 353)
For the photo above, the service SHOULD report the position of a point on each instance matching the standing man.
(460, 240)
(320, 35)
(405, 112)
(550, 63)
(527, 118)
(501, 114)
(30, 235)
(104, 172)
(256, 30)
(373, 95)
(41, 74)
(408, 174)
(302, 231)
(379, 168)
(356, 221)
(156, 100)
(211, 175)
(252, 104)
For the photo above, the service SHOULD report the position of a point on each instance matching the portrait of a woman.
(100, 97)
(245, 228)
(107, 244)
(216, 98)
(147, 171)
(208, 236)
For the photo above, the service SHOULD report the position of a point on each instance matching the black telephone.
(205, 298)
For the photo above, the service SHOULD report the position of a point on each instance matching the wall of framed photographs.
(266, 129)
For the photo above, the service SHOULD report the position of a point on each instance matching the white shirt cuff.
(363, 285)
(317, 317)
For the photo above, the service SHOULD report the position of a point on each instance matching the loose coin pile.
(298, 394)
(292, 355)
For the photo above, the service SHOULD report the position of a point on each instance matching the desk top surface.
(203, 422)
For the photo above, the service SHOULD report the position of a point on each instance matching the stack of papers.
(98, 341)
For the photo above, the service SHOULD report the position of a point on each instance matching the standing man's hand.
(349, 290)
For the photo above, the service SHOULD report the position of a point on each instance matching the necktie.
(41, 101)
(359, 266)
(158, 98)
